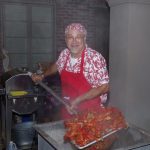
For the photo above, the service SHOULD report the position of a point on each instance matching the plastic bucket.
(24, 134)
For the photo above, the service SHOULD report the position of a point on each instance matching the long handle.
(48, 89)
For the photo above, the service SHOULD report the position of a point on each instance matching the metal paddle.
(49, 90)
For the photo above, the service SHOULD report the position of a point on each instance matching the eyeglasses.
(76, 38)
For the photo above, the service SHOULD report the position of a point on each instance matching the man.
(83, 73)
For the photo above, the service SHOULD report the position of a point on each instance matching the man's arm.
(92, 93)
(51, 69)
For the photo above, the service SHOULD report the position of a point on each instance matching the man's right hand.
(37, 77)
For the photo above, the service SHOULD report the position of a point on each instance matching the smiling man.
(83, 72)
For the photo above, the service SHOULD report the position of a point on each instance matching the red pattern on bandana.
(77, 27)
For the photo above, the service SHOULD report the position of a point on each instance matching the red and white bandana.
(77, 27)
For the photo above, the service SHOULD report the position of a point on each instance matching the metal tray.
(95, 141)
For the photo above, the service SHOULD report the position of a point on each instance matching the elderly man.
(83, 72)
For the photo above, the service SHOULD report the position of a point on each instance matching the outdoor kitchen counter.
(51, 137)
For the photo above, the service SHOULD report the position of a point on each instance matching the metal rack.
(21, 105)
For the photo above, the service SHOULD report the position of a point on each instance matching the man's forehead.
(74, 33)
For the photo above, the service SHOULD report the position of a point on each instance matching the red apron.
(74, 85)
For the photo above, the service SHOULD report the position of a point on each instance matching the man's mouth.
(75, 46)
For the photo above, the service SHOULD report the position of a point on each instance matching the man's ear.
(65, 39)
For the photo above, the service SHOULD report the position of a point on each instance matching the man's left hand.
(74, 104)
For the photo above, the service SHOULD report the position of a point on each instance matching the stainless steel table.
(50, 137)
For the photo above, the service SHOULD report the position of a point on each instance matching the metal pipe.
(49, 90)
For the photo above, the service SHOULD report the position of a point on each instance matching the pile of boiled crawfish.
(93, 125)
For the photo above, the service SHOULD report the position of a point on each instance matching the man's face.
(75, 41)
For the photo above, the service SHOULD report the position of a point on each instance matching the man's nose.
(74, 39)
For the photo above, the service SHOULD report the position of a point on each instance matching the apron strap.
(82, 61)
